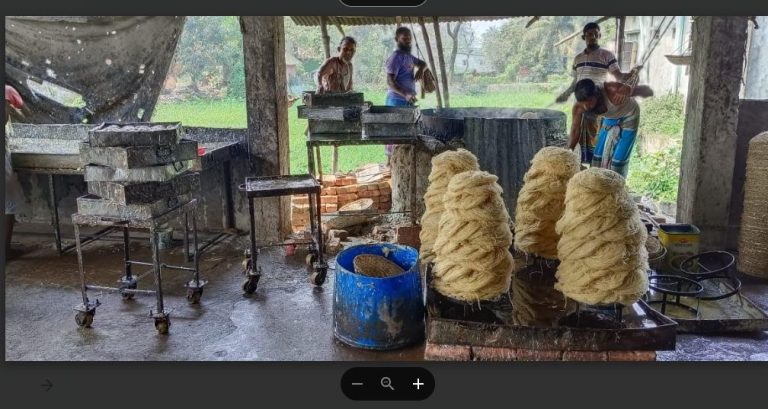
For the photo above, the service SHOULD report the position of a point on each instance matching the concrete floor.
(286, 319)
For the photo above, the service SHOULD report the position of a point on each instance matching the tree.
(453, 33)
(210, 52)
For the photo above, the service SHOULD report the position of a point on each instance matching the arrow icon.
(47, 385)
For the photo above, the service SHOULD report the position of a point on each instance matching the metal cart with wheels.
(127, 285)
(285, 185)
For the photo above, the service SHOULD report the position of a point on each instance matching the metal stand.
(127, 284)
(336, 140)
(275, 186)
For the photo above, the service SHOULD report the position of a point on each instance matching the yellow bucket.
(681, 242)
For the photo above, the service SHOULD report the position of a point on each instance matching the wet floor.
(286, 319)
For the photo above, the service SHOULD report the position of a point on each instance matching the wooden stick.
(326, 37)
(441, 60)
(431, 60)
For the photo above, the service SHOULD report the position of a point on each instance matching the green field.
(231, 114)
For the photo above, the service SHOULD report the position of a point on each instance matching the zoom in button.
(387, 384)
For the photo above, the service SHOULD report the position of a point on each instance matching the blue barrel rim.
(415, 269)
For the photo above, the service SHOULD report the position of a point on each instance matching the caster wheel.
(250, 284)
(127, 296)
(194, 295)
(162, 325)
(84, 319)
(310, 259)
(317, 278)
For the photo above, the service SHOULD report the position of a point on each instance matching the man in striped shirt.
(593, 63)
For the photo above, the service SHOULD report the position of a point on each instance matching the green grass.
(231, 114)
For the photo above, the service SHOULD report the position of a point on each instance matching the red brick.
(322, 208)
(364, 193)
(348, 180)
(329, 199)
(329, 180)
(635, 356)
(331, 207)
(384, 185)
(539, 355)
(385, 192)
(438, 352)
(346, 198)
(408, 236)
(585, 356)
(329, 191)
(301, 200)
(353, 189)
(494, 354)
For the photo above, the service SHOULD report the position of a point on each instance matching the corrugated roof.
(384, 20)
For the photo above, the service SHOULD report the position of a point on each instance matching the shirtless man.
(335, 75)
(621, 116)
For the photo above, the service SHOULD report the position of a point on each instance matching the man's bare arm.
(324, 70)
(577, 113)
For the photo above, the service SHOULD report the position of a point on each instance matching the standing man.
(401, 78)
(12, 190)
(621, 115)
(335, 75)
(593, 63)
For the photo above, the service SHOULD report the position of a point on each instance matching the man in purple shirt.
(400, 74)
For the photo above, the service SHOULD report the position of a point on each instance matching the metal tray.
(493, 324)
(146, 192)
(132, 157)
(92, 205)
(160, 173)
(135, 134)
(348, 113)
(338, 99)
(733, 314)
(268, 186)
(388, 130)
(390, 115)
(334, 127)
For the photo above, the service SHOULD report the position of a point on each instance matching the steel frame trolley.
(127, 285)
(285, 185)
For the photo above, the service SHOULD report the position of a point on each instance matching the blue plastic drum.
(378, 313)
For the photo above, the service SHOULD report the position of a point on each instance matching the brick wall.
(339, 190)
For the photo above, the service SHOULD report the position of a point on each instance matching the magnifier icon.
(386, 383)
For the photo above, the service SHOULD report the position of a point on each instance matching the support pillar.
(710, 139)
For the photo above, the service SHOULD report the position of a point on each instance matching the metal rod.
(81, 270)
(229, 218)
(314, 208)
(89, 239)
(140, 263)
(154, 241)
(320, 246)
(123, 290)
(253, 234)
(54, 211)
(319, 164)
(127, 252)
(197, 255)
(310, 160)
(172, 267)
(212, 242)
(186, 237)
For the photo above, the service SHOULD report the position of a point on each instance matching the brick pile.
(339, 190)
